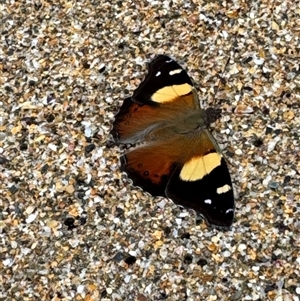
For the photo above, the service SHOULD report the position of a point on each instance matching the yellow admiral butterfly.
(177, 156)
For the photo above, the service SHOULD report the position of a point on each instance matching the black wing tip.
(220, 224)
(223, 226)
(162, 59)
(221, 220)
(159, 57)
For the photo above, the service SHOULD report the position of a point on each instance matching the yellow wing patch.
(197, 167)
(168, 93)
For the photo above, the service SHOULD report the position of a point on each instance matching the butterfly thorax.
(197, 120)
(187, 124)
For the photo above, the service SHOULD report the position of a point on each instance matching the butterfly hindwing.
(178, 157)
(151, 166)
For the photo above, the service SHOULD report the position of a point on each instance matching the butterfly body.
(177, 157)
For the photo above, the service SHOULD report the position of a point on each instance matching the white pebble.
(52, 146)
(242, 247)
(226, 253)
(238, 152)
(255, 268)
(31, 217)
(80, 289)
(8, 262)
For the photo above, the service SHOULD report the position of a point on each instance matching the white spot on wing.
(223, 189)
(158, 73)
(169, 61)
(176, 71)
(208, 201)
(228, 211)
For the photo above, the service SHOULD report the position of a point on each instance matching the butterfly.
(176, 156)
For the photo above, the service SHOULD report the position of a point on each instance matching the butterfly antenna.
(221, 76)
(214, 113)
